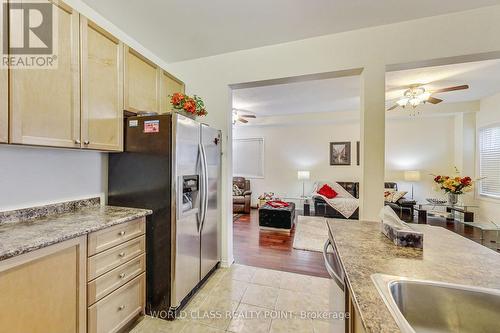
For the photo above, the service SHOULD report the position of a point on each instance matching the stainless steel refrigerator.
(171, 164)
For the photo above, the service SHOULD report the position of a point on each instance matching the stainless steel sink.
(428, 306)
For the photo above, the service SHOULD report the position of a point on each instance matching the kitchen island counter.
(447, 257)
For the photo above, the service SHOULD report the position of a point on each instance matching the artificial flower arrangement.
(193, 106)
(454, 185)
(267, 196)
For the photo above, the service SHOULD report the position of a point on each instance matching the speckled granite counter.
(27, 230)
(446, 256)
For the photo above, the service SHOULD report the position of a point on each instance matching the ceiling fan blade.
(434, 100)
(244, 121)
(392, 107)
(248, 116)
(462, 87)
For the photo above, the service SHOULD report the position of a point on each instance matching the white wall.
(34, 176)
(419, 143)
(296, 147)
(489, 114)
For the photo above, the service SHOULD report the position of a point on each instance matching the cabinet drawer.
(109, 237)
(114, 279)
(116, 310)
(105, 261)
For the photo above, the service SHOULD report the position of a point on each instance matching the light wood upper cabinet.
(45, 290)
(168, 86)
(4, 91)
(45, 103)
(4, 106)
(142, 81)
(102, 88)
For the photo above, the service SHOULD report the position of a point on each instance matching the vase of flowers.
(188, 106)
(453, 186)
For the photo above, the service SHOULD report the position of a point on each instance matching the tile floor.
(254, 297)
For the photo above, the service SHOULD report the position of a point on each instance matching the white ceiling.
(300, 97)
(187, 29)
(342, 94)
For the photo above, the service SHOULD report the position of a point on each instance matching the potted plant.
(191, 107)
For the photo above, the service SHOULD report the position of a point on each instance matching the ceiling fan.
(241, 116)
(416, 94)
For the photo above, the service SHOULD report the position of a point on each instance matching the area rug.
(236, 216)
(311, 233)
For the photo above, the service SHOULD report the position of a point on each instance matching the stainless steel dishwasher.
(338, 322)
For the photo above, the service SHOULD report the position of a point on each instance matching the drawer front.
(114, 279)
(107, 238)
(105, 261)
(116, 310)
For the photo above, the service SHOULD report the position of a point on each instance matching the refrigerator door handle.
(205, 187)
(202, 187)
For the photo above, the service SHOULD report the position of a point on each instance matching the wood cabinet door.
(4, 91)
(45, 103)
(4, 106)
(45, 290)
(142, 83)
(102, 88)
(168, 86)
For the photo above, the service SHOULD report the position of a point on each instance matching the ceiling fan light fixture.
(415, 101)
(402, 102)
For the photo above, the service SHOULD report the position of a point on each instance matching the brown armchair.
(241, 203)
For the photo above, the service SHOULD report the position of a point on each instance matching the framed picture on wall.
(358, 153)
(340, 153)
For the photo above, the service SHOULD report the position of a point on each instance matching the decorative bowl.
(436, 201)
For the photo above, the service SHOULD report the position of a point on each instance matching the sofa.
(241, 203)
(321, 208)
(403, 207)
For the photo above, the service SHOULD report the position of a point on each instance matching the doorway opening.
(290, 137)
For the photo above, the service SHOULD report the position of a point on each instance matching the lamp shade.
(303, 175)
(412, 176)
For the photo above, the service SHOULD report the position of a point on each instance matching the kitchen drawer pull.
(329, 268)
(121, 307)
(121, 254)
(122, 275)
(77, 142)
(121, 233)
(86, 142)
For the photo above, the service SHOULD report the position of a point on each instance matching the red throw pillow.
(327, 191)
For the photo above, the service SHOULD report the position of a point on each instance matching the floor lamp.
(412, 176)
(303, 175)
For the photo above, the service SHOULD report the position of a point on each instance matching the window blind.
(248, 158)
(489, 161)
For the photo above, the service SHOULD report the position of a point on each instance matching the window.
(489, 161)
(248, 158)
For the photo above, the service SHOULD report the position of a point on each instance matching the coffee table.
(457, 212)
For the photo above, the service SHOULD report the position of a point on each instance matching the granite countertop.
(39, 230)
(446, 257)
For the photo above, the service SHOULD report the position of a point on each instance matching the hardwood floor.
(272, 249)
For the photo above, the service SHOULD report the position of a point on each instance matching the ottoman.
(277, 218)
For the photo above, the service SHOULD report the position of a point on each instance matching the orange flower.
(190, 106)
(177, 98)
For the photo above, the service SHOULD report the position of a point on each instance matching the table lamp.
(303, 175)
(412, 176)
